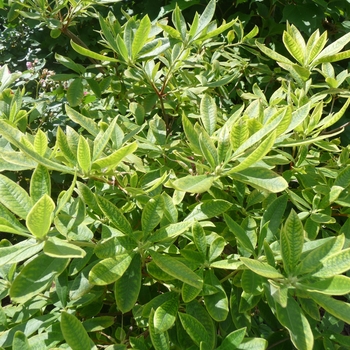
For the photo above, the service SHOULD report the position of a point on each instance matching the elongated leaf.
(152, 213)
(233, 340)
(177, 269)
(334, 264)
(223, 150)
(67, 62)
(188, 292)
(272, 54)
(84, 155)
(39, 217)
(127, 287)
(208, 209)
(75, 92)
(85, 122)
(297, 324)
(252, 282)
(256, 155)
(74, 333)
(333, 118)
(315, 45)
(199, 238)
(217, 303)
(216, 248)
(102, 140)
(115, 158)
(205, 17)
(170, 232)
(208, 150)
(194, 184)
(14, 197)
(35, 277)
(98, 323)
(194, 329)
(191, 135)
(262, 178)
(337, 308)
(115, 215)
(141, 36)
(294, 48)
(40, 143)
(292, 239)
(88, 53)
(160, 341)
(109, 270)
(336, 285)
(40, 183)
(208, 114)
(57, 248)
(261, 269)
(165, 315)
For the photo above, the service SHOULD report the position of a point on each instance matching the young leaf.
(109, 270)
(199, 238)
(141, 36)
(20, 341)
(40, 143)
(208, 114)
(261, 269)
(177, 269)
(39, 217)
(205, 18)
(74, 333)
(292, 239)
(160, 341)
(84, 155)
(294, 47)
(35, 277)
(208, 150)
(102, 140)
(40, 183)
(127, 287)
(14, 197)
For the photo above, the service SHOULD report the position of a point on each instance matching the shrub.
(190, 197)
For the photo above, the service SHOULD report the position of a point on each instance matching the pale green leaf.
(88, 53)
(20, 342)
(58, 248)
(261, 268)
(216, 248)
(40, 142)
(273, 54)
(170, 232)
(109, 270)
(199, 238)
(102, 140)
(194, 329)
(40, 183)
(75, 92)
(208, 209)
(208, 114)
(194, 184)
(85, 122)
(336, 285)
(84, 155)
(160, 341)
(152, 213)
(208, 150)
(141, 36)
(205, 18)
(293, 47)
(39, 217)
(165, 315)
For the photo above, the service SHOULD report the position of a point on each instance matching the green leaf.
(208, 114)
(336, 285)
(205, 18)
(217, 303)
(88, 53)
(239, 233)
(292, 239)
(67, 62)
(334, 264)
(165, 315)
(160, 341)
(252, 282)
(208, 150)
(40, 183)
(83, 121)
(297, 324)
(233, 340)
(169, 232)
(177, 269)
(127, 287)
(339, 309)
(272, 54)
(194, 184)
(262, 178)
(75, 92)
(115, 158)
(152, 213)
(216, 248)
(20, 341)
(141, 36)
(224, 147)
(199, 239)
(188, 292)
(40, 142)
(14, 197)
(191, 135)
(115, 215)
(84, 155)
(98, 323)
(35, 277)
(58, 248)
(208, 209)
(109, 270)
(261, 269)
(74, 333)
(315, 45)
(102, 140)
(194, 329)
(39, 217)
(294, 47)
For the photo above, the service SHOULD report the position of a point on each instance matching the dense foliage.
(175, 180)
